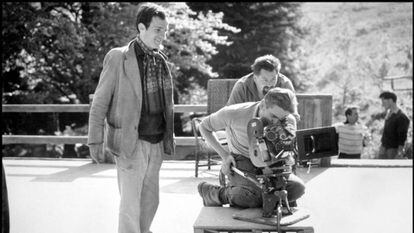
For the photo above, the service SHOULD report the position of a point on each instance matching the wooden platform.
(220, 219)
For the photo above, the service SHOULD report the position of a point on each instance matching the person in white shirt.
(352, 135)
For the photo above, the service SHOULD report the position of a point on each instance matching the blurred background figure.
(395, 129)
(352, 135)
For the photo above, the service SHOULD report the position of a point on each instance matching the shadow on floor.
(302, 173)
(188, 185)
(68, 175)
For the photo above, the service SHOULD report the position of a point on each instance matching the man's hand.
(96, 152)
(227, 163)
(400, 152)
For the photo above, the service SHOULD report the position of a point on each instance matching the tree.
(60, 46)
(54, 50)
(266, 28)
(351, 48)
(191, 43)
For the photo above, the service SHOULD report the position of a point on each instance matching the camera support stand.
(274, 195)
(271, 148)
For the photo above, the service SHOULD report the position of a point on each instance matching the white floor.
(75, 196)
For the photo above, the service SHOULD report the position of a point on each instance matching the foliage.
(191, 43)
(351, 48)
(58, 47)
(266, 28)
(61, 56)
(53, 51)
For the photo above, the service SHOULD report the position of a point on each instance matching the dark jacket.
(395, 130)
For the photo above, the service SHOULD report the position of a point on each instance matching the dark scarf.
(157, 84)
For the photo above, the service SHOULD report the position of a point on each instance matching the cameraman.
(278, 104)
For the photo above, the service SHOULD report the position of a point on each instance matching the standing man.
(395, 130)
(133, 100)
(277, 105)
(352, 135)
(253, 87)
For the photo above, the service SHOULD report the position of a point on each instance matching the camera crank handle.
(280, 153)
(309, 163)
(246, 176)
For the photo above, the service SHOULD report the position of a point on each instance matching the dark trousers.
(349, 156)
(243, 193)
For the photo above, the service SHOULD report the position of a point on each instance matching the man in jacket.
(133, 100)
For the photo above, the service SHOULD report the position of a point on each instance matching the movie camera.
(276, 149)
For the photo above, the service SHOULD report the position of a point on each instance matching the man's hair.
(282, 97)
(348, 112)
(388, 95)
(266, 62)
(147, 11)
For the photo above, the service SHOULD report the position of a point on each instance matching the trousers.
(138, 183)
(243, 193)
(387, 153)
(348, 156)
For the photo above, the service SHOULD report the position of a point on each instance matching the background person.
(266, 75)
(395, 129)
(352, 135)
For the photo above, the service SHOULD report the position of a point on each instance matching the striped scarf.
(157, 80)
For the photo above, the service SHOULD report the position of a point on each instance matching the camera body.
(271, 148)
(278, 137)
(269, 144)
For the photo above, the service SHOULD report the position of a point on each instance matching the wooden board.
(220, 218)
(255, 215)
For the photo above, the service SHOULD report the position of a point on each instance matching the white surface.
(77, 196)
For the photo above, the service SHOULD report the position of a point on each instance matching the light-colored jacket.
(117, 104)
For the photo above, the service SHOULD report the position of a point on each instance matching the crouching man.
(278, 104)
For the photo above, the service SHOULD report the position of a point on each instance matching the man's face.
(274, 113)
(155, 33)
(386, 103)
(353, 117)
(265, 80)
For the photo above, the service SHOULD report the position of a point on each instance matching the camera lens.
(271, 134)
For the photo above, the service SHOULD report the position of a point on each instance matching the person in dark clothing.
(395, 130)
(5, 214)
